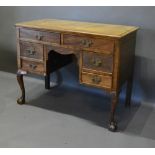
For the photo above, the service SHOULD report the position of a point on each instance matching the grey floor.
(68, 117)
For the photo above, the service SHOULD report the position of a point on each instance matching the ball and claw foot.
(21, 100)
(112, 126)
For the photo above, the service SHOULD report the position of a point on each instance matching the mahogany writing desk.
(105, 54)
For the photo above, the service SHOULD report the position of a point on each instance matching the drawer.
(53, 37)
(102, 45)
(97, 61)
(31, 50)
(33, 67)
(98, 80)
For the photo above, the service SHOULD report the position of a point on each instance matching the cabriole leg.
(47, 81)
(20, 74)
(128, 92)
(112, 123)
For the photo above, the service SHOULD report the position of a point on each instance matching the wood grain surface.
(80, 27)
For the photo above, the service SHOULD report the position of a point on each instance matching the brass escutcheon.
(96, 62)
(33, 66)
(96, 79)
(86, 43)
(31, 52)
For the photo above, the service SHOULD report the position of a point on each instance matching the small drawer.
(104, 81)
(52, 37)
(102, 45)
(33, 67)
(97, 61)
(31, 50)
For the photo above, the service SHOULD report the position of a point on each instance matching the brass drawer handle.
(96, 79)
(39, 37)
(86, 43)
(33, 66)
(31, 52)
(96, 63)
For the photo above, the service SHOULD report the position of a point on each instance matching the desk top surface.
(79, 27)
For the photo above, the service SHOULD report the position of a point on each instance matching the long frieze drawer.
(104, 81)
(97, 61)
(31, 50)
(102, 45)
(33, 67)
(52, 37)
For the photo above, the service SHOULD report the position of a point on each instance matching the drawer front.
(97, 61)
(31, 50)
(104, 81)
(53, 37)
(102, 45)
(33, 67)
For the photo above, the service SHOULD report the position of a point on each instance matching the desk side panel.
(127, 54)
(18, 48)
